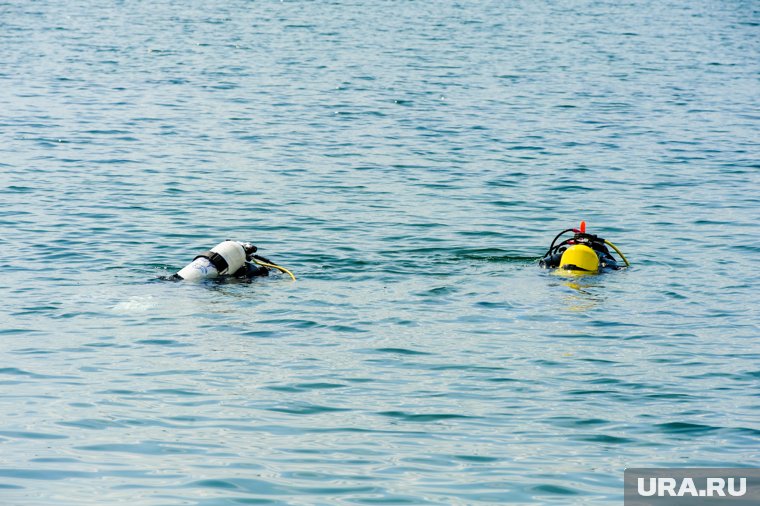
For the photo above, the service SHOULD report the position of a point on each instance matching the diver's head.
(579, 258)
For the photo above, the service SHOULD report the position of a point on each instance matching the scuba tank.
(584, 253)
(227, 257)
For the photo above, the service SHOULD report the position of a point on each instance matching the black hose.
(263, 259)
(555, 240)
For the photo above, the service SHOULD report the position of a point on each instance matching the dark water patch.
(467, 367)
(19, 189)
(605, 439)
(526, 148)
(117, 391)
(476, 458)
(147, 448)
(423, 417)
(179, 392)
(58, 460)
(358, 430)
(503, 380)
(359, 380)
(611, 381)
(225, 501)
(717, 376)
(106, 345)
(30, 435)
(44, 474)
(299, 324)
(163, 342)
(551, 490)
(262, 333)
(493, 305)
(92, 424)
(482, 234)
(213, 484)
(389, 498)
(598, 361)
(437, 291)
(17, 331)
(247, 485)
(319, 386)
(349, 329)
(571, 422)
(174, 372)
(685, 428)
(585, 392)
(338, 490)
(307, 409)
(305, 387)
(399, 351)
(671, 396)
(37, 309)
(12, 371)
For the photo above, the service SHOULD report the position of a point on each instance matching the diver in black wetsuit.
(585, 253)
(228, 259)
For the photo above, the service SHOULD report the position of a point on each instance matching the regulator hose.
(608, 243)
(268, 263)
(555, 240)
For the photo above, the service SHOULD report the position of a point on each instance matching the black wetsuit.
(252, 270)
(606, 260)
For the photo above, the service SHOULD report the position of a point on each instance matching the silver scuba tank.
(225, 258)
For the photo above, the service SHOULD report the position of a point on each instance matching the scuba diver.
(584, 253)
(229, 259)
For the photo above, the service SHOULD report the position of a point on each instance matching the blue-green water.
(409, 161)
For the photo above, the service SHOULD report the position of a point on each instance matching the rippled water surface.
(410, 161)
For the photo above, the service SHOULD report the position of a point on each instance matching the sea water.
(410, 162)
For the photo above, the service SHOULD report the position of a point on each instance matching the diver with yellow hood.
(583, 253)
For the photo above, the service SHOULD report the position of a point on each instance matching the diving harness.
(583, 253)
(229, 258)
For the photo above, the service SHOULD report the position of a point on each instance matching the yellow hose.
(281, 269)
(608, 243)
